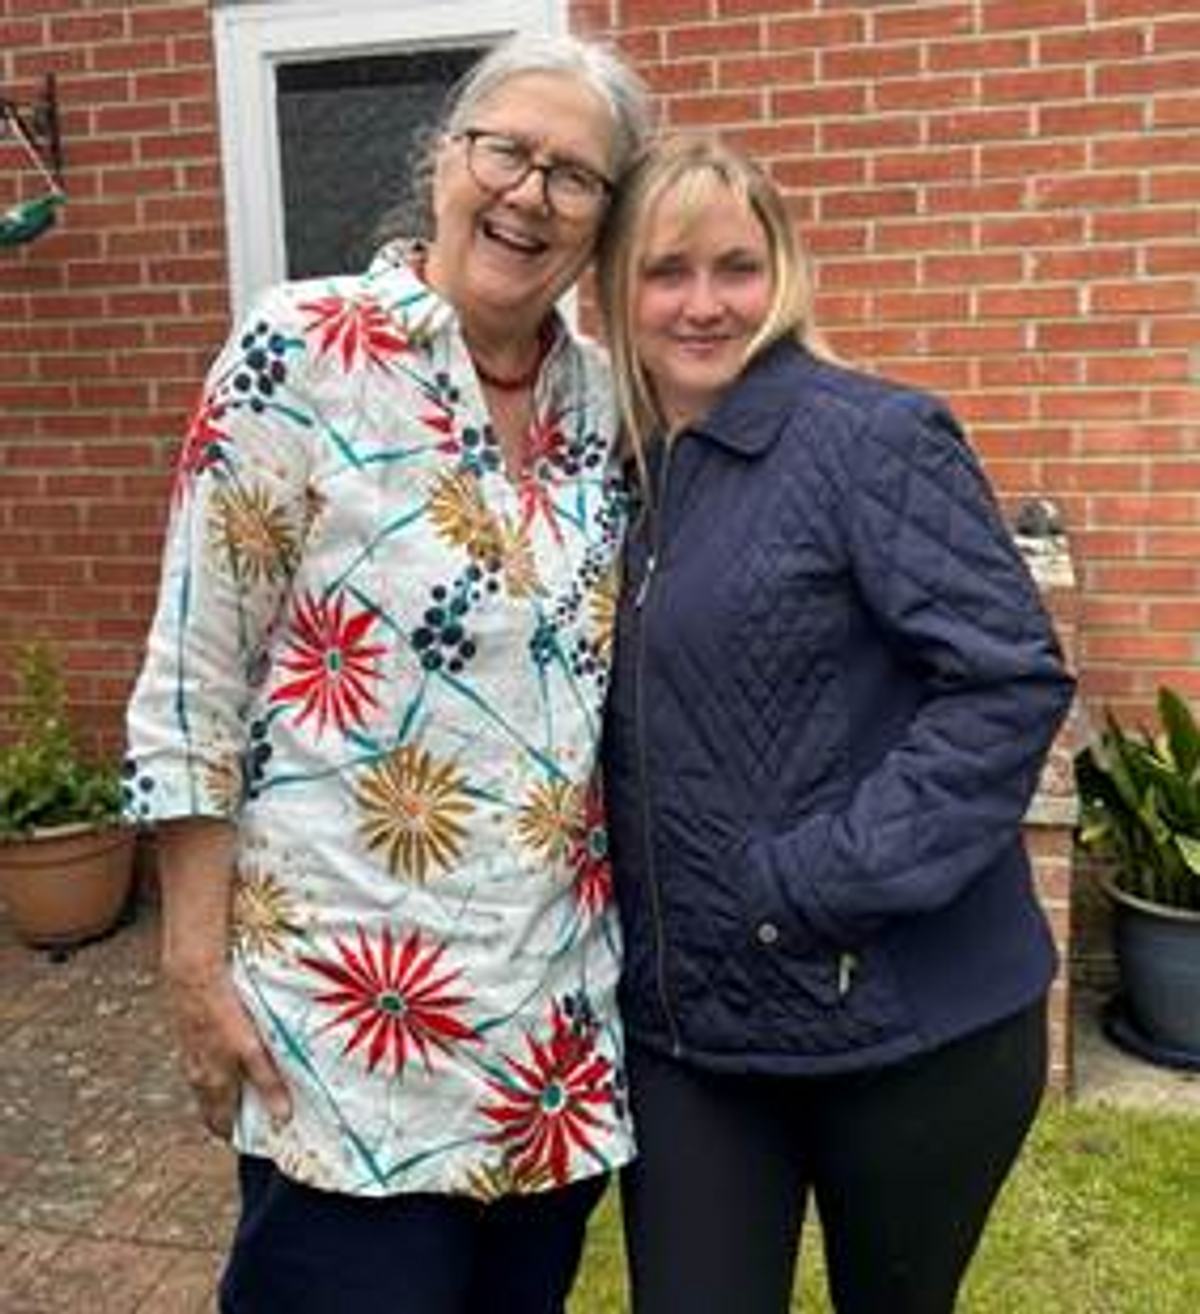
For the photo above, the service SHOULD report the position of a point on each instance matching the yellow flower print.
(602, 611)
(410, 809)
(460, 515)
(517, 562)
(490, 1182)
(550, 819)
(223, 783)
(253, 534)
(264, 915)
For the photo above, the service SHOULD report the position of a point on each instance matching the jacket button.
(767, 933)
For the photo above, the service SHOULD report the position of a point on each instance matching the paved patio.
(114, 1201)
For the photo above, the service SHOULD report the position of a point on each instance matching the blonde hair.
(690, 166)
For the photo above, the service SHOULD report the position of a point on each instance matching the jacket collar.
(754, 412)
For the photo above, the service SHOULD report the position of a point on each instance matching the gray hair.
(596, 65)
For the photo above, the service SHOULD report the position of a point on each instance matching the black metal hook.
(36, 124)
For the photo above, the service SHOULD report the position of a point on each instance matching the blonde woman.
(833, 687)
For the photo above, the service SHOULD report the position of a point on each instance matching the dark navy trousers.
(301, 1251)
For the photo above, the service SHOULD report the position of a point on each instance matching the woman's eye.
(743, 268)
(666, 271)
(576, 179)
(505, 151)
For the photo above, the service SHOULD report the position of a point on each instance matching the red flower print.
(202, 445)
(354, 327)
(552, 1102)
(332, 662)
(545, 453)
(393, 999)
(588, 856)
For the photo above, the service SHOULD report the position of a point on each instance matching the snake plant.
(1140, 796)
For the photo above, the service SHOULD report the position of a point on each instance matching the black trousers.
(300, 1251)
(903, 1164)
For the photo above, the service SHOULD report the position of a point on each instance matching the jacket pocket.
(785, 988)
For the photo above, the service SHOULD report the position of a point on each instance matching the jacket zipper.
(652, 885)
(846, 968)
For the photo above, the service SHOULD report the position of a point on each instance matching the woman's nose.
(533, 190)
(702, 299)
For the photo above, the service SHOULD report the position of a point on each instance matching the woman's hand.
(221, 1048)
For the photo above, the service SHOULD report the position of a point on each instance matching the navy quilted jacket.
(834, 686)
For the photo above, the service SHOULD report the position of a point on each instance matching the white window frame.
(253, 37)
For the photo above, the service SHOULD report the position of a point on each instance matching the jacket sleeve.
(927, 550)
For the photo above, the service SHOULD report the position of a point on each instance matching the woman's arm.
(933, 561)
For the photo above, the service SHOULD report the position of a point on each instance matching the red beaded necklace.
(516, 382)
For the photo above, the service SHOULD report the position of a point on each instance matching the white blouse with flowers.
(384, 659)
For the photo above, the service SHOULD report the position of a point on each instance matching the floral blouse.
(384, 658)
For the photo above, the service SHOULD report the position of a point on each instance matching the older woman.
(834, 685)
(366, 725)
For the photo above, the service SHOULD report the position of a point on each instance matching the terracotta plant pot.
(66, 885)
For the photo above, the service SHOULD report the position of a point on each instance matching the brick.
(1083, 266)
(989, 125)
(920, 166)
(1144, 298)
(1148, 77)
(920, 305)
(1091, 43)
(818, 102)
(872, 134)
(714, 39)
(998, 15)
(809, 31)
(1039, 370)
(924, 93)
(1175, 111)
(1086, 120)
(690, 76)
(979, 53)
(1087, 335)
(875, 63)
(759, 70)
(871, 203)
(924, 235)
(669, 13)
(1028, 302)
(714, 108)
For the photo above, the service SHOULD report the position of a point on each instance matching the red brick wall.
(1002, 199)
(105, 324)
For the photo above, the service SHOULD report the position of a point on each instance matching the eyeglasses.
(498, 163)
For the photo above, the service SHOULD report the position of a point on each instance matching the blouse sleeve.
(235, 533)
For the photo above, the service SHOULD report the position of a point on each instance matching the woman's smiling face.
(702, 290)
(504, 258)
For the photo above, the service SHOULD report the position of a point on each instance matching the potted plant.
(66, 860)
(1139, 793)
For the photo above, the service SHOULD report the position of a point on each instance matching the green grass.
(1101, 1216)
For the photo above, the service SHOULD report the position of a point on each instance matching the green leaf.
(1190, 849)
(1183, 734)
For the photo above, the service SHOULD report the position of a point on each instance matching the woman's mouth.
(513, 239)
